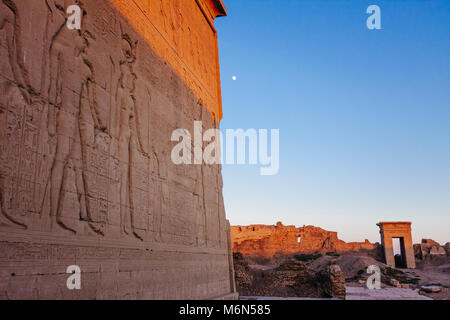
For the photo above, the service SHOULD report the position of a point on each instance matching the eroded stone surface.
(447, 248)
(86, 178)
(331, 280)
(430, 249)
(188, 44)
(267, 241)
(243, 275)
(292, 278)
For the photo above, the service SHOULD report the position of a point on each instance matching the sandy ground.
(358, 293)
(427, 273)
(432, 274)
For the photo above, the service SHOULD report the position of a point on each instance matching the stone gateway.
(86, 178)
(402, 232)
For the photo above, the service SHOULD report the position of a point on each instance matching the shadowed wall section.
(86, 176)
(183, 33)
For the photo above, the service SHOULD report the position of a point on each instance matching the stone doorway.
(399, 232)
(399, 252)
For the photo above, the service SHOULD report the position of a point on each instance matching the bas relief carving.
(86, 175)
(66, 164)
(16, 163)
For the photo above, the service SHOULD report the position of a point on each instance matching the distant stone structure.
(267, 241)
(86, 177)
(430, 249)
(402, 231)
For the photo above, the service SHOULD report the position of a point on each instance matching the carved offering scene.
(90, 93)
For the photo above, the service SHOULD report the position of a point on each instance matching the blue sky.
(364, 115)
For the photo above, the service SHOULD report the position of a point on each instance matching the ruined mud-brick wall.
(430, 249)
(86, 177)
(268, 241)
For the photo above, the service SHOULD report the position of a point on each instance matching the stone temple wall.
(86, 176)
(271, 240)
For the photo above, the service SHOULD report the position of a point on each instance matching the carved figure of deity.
(71, 85)
(130, 139)
(11, 25)
(14, 124)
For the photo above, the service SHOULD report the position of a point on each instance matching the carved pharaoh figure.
(130, 139)
(11, 25)
(25, 158)
(71, 88)
(12, 121)
(16, 125)
(46, 148)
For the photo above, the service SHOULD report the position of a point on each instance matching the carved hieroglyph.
(185, 38)
(86, 118)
